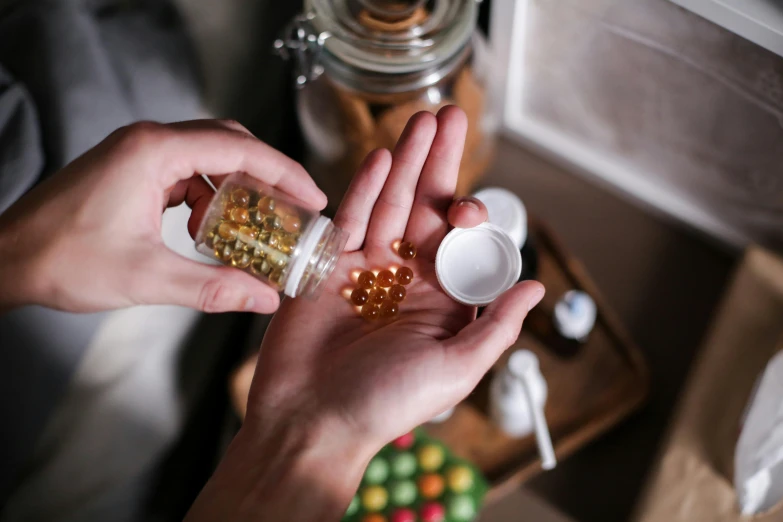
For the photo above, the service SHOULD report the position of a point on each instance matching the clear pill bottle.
(270, 235)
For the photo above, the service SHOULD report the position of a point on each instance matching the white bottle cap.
(575, 315)
(507, 211)
(475, 265)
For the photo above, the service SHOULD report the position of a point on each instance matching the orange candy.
(431, 485)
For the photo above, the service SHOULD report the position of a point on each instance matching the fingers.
(354, 213)
(427, 224)
(481, 343)
(467, 212)
(211, 148)
(173, 279)
(390, 216)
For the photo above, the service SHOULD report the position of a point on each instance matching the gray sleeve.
(21, 155)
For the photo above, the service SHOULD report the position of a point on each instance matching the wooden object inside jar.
(372, 121)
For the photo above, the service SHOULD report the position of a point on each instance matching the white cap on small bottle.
(475, 265)
(506, 211)
(575, 315)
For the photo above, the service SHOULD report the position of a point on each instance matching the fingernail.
(250, 304)
(469, 202)
(535, 299)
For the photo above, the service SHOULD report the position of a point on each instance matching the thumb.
(479, 345)
(176, 280)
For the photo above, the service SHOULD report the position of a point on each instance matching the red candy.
(403, 515)
(432, 512)
(404, 442)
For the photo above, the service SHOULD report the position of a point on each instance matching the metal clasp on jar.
(301, 42)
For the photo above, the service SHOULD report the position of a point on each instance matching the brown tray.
(589, 392)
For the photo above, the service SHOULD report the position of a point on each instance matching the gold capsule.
(239, 215)
(274, 239)
(276, 276)
(407, 250)
(287, 244)
(218, 245)
(389, 309)
(226, 253)
(371, 312)
(240, 197)
(404, 275)
(257, 216)
(359, 296)
(228, 231)
(266, 205)
(272, 222)
(247, 234)
(397, 293)
(366, 280)
(260, 266)
(378, 296)
(210, 240)
(385, 279)
(240, 259)
(292, 223)
(279, 261)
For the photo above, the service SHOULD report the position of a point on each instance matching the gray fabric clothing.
(71, 72)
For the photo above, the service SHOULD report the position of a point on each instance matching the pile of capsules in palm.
(380, 295)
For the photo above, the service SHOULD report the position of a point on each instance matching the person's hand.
(89, 238)
(331, 388)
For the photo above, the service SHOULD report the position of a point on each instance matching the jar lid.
(507, 211)
(575, 315)
(385, 36)
(475, 265)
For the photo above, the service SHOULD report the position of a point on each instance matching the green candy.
(377, 471)
(403, 493)
(461, 508)
(353, 507)
(403, 465)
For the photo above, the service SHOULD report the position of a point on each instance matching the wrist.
(17, 272)
(301, 471)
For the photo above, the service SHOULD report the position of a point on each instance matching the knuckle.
(140, 135)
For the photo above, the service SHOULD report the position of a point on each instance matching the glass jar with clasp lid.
(364, 67)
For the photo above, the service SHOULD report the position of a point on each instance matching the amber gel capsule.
(385, 279)
(367, 280)
(359, 297)
(404, 275)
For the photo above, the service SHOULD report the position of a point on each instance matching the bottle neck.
(321, 246)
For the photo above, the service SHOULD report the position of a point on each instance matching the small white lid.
(475, 265)
(575, 315)
(507, 211)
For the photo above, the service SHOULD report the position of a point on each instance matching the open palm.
(382, 378)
